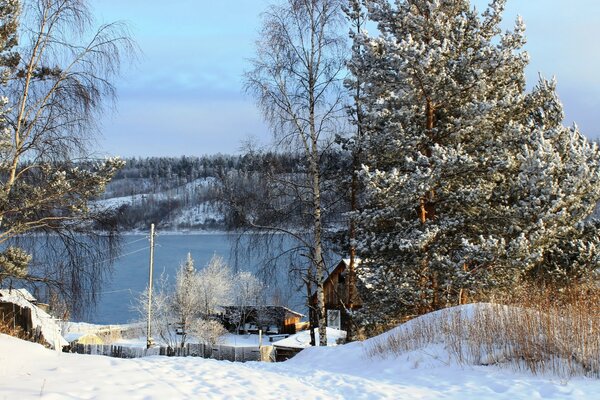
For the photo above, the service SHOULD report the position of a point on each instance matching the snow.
(28, 371)
(85, 327)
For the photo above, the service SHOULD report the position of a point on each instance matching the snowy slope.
(175, 193)
(30, 371)
(183, 207)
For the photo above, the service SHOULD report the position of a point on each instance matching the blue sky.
(184, 96)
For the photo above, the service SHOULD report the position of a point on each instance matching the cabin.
(339, 295)
(19, 310)
(270, 319)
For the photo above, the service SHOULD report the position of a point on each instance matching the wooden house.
(269, 318)
(339, 289)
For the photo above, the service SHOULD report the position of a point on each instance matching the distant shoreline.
(178, 232)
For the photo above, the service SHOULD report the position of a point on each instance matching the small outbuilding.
(20, 310)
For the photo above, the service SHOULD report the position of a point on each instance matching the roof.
(340, 267)
(287, 310)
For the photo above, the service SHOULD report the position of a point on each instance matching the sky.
(184, 95)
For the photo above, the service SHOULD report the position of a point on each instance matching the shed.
(17, 307)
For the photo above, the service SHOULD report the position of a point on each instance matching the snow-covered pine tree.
(472, 183)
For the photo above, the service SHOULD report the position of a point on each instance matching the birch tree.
(295, 80)
(57, 80)
(248, 295)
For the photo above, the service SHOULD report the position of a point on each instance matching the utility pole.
(148, 327)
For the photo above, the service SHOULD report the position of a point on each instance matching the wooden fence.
(217, 352)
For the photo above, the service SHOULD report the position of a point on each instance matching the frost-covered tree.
(163, 319)
(248, 296)
(472, 183)
(215, 286)
(186, 299)
(186, 308)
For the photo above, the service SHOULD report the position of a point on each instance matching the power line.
(119, 256)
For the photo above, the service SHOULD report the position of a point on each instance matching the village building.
(269, 318)
(20, 310)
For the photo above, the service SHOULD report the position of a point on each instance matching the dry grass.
(8, 328)
(537, 332)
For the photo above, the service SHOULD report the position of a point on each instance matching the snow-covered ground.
(30, 371)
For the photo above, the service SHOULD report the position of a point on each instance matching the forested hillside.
(186, 193)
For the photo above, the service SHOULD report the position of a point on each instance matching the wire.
(118, 257)
(138, 240)
(117, 291)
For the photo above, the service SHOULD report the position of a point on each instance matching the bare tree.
(296, 81)
(163, 317)
(56, 83)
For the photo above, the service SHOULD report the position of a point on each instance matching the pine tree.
(473, 184)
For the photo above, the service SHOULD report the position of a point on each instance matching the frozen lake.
(131, 271)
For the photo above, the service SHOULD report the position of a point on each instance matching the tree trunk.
(318, 253)
(311, 309)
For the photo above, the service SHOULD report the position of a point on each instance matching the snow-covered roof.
(39, 318)
(24, 293)
(301, 340)
(287, 310)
